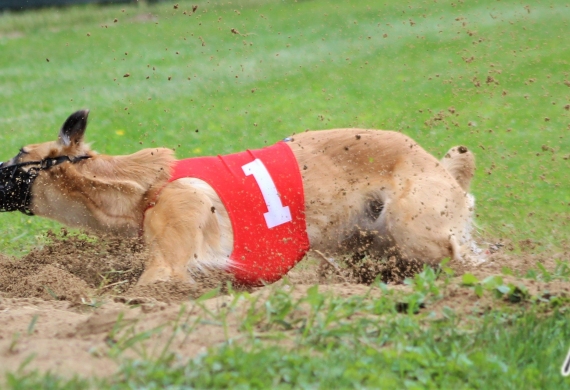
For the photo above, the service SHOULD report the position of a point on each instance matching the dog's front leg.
(182, 232)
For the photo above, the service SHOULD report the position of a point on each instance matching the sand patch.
(73, 304)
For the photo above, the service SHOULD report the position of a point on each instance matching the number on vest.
(277, 214)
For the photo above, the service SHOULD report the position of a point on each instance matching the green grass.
(378, 348)
(325, 341)
(495, 355)
(492, 75)
(306, 65)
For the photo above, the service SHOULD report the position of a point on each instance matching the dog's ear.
(73, 129)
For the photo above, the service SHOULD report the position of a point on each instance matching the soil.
(73, 303)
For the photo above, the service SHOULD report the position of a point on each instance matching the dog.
(340, 192)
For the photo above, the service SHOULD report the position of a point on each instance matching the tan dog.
(359, 185)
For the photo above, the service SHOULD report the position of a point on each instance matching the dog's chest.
(262, 191)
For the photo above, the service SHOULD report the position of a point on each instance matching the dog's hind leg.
(184, 234)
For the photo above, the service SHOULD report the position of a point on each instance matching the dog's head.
(18, 174)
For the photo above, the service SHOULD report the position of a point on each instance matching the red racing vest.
(262, 191)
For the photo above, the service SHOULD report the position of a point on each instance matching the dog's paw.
(155, 274)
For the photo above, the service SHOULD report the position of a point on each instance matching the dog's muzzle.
(16, 182)
(15, 188)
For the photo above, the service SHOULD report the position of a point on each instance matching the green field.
(491, 75)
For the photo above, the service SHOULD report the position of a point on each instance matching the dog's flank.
(347, 172)
(365, 191)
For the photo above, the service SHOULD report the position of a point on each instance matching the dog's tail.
(460, 162)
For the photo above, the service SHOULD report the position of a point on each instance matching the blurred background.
(213, 77)
(29, 4)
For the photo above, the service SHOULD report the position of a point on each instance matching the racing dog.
(254, 214)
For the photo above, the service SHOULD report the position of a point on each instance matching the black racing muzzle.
(16, 182)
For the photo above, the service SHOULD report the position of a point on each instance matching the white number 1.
(277, 214)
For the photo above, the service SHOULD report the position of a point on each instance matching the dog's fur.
(378, 187)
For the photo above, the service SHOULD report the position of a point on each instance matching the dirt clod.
(360, 269)
(72, 267)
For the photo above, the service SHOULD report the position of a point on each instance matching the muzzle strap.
(16, 182)
(51, 162)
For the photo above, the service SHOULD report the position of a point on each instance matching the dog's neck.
(108, 194)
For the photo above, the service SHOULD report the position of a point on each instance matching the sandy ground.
(73, 305)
